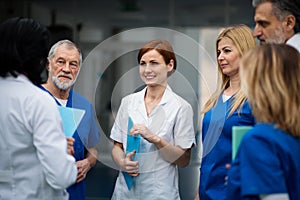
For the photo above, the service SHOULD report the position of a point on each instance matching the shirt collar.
(165, 98)
(294, 41)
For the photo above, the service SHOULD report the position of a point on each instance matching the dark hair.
(282, 8)
(24, 45)
(163, 47)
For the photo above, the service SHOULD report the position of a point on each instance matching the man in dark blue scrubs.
(64, 62)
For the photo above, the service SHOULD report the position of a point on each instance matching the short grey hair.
(255, 3)
(68, 44)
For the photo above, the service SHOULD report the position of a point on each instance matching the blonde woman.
(267, 165)
(226, 108)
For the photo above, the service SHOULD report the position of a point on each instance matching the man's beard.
(277, 37)
(64, 84)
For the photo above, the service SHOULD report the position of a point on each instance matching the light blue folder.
(71, 118)
(237, 134)
(133, 143)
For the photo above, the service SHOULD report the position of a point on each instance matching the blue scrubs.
(86, 135)
(217, 146)
(267, 162)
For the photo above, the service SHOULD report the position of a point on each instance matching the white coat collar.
(165, 98)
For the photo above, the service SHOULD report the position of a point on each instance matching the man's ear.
(48, 64)
(290, 22)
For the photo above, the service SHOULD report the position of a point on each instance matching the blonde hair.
(241, 36)
(269, 76)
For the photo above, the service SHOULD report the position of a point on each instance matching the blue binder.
(71, 117)
(133, 143)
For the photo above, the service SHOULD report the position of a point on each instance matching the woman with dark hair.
(24, 48)
(34, 162)
(164, 122)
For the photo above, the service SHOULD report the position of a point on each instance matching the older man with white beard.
(64, 63)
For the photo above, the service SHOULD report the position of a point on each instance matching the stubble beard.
(278, 37)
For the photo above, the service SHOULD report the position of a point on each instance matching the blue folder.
(71, 118)
(133, 143)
